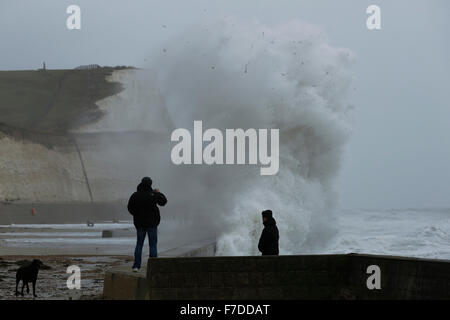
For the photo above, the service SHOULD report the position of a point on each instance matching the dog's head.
(37, 263)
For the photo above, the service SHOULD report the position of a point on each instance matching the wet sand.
(52, 280)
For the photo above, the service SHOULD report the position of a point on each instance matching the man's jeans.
(152, 241)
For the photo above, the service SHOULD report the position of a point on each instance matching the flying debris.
(246, 67)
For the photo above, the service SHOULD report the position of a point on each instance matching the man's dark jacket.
(268, 243)
(143, 205)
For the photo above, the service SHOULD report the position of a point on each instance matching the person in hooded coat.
(143, 206)
(268, 242)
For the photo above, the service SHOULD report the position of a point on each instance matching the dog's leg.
(28, 289)
(34, 289)
(23, 286)
(17, 284)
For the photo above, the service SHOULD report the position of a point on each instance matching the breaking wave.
(234, 74)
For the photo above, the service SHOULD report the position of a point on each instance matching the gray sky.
(399, 153)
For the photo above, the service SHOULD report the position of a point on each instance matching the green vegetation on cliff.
(52, 101)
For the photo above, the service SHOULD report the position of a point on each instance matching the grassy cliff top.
(52, 101)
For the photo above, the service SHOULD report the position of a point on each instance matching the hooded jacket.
(268, 242)
(143, 206)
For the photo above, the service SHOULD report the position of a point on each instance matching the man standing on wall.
(143, 206)
(268, 243)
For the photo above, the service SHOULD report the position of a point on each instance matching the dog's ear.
(38, 262)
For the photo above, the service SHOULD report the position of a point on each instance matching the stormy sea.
(423, 233)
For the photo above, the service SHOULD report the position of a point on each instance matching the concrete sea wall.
(122, 284)
(287, 277)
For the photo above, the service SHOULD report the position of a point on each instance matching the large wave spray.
(247, 75)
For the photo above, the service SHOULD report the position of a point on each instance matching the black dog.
(28, 273)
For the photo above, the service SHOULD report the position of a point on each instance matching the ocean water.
(70, 239)
(411, 232)
(68, 226)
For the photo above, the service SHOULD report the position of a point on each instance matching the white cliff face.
(31, 172)
(107, 167)
(139, 107)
